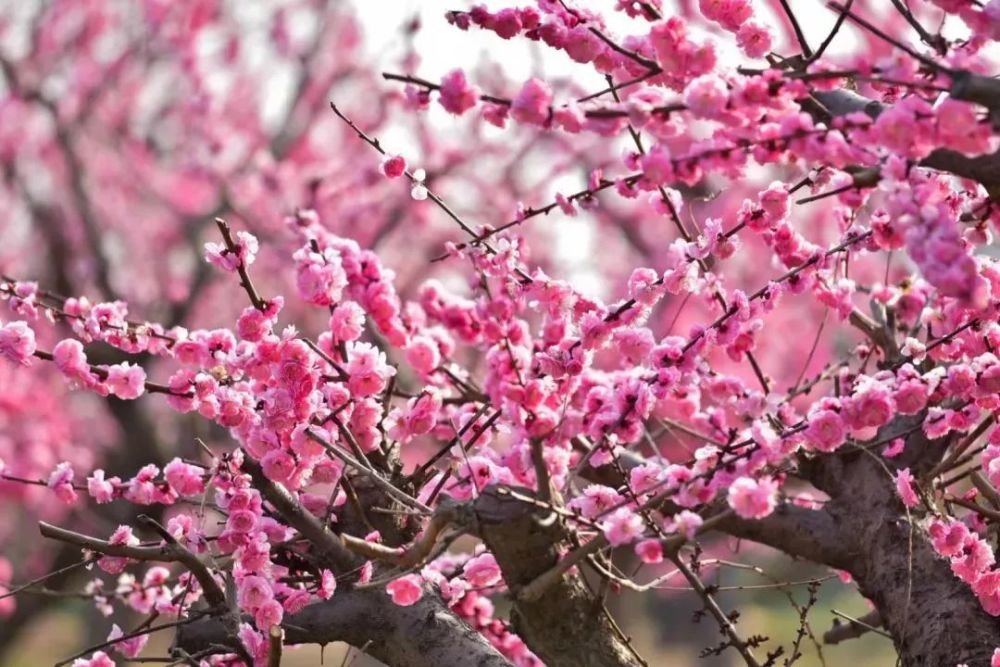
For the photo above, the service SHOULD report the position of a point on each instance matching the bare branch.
(166, 553)
(854, 628)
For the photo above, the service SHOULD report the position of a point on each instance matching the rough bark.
(566, 626)
(427, 633)
(933, 617)
(802, 533)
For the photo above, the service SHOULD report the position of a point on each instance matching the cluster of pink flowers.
(527, 380)
(17, 342)
(736, 16)
(241, 255)
(982, 18)
(972, 560)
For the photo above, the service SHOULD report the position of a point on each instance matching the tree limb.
(426, 633)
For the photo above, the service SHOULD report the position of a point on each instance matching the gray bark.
(426, 633)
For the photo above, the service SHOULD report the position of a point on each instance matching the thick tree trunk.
(932, 615)
(567, 625)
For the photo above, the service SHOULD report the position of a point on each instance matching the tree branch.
(984, 169)
(426, 633)
(853, 629)
(166, 553)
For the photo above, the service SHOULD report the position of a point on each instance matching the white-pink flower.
(100, 489)
(184, 478)
(61, 482)
(623, 526)
(17, 342)
(406, 590)
(130, 647)
(126, 381)
(753, 498)
(482, 570)
(243, 254)
(253, 592)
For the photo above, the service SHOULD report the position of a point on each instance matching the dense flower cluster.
(626, 418)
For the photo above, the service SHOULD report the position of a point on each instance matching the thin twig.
(241, 269)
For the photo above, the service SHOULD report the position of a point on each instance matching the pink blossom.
(958, 126)
(987, 589)
(406, 590)
(826, 430)
(649, 551)
(596, 499)
(70, 359)
(114, 564)
(297, 600)
(254, 592)
(253, 324)
(565, 205)
(142, 488)
(243, 254)
(870, 406)
(393, 166)
(327, 585)
(418, 416)
(755, 39)
(269, 614)
(369, 373)
(645, 477)
(644, 285)
(457, 96)
(320, 277)
(911, 396)
(622, 526)
(904, 487)
(687, 523)
(752, 498)
(347, 321)
(99, 659)
(423, 354)
(17, 342)
(482, 571)
(975, 559)
(61, 482)
(894, 449)
(657, 165)
(130, 648)
(241, 521)
(730, 13)
(532, 104)
(100, 489)
(126, 381)
(775, 201)
(947, 537)
(278, 465)
(507, 23)
(187, 480)
(706, 96)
